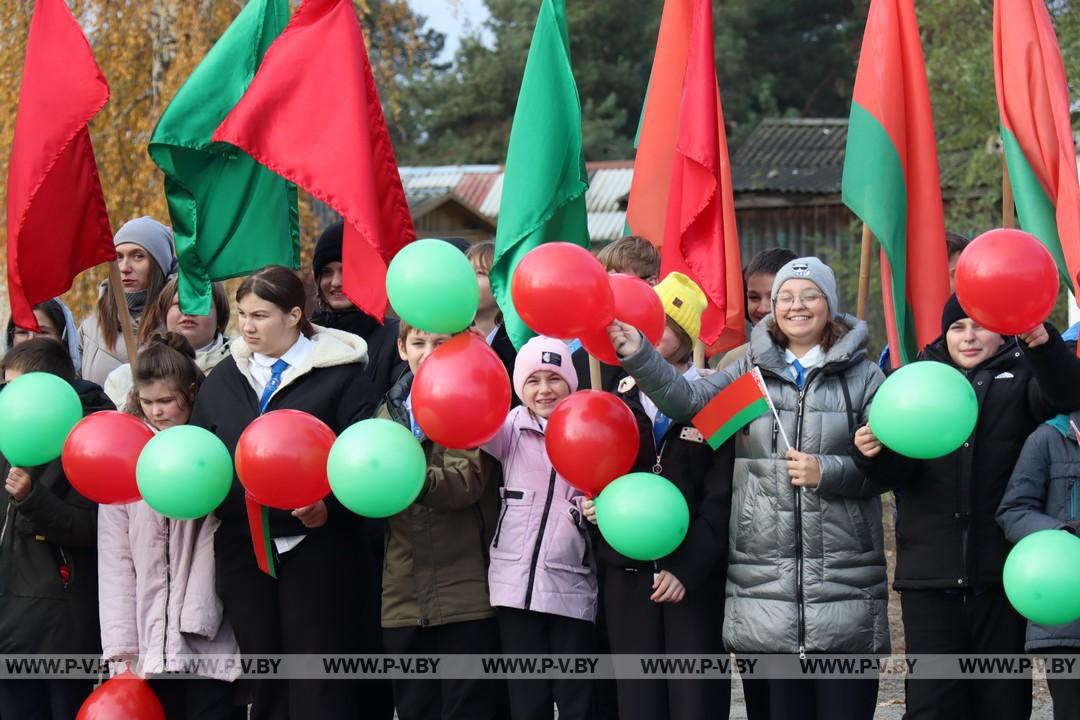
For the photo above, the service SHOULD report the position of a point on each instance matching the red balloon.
(1007, 281)
(124, 697)
(592, 438)
(461, 393)
(637, 304)
(281, 459)
(560, 290)
(100, 455)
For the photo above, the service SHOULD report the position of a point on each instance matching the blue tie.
(800, 374)
(660, 426)
(272, 384)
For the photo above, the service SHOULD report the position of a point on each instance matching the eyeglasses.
(808, 298)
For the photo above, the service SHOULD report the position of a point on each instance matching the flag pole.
(699, 355)
(594, 373)
(116, 286)
(864, 272)
(1008, 208)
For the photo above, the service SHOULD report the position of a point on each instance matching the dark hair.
(153, 318)
(632, 255)
(769, 261)
(40, 355)
(955, 242)
(108, 315)
(53, 311)
(830, 335)
(281, 286)
(686, 345)
(169, 359)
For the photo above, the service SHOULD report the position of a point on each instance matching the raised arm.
(676, 397)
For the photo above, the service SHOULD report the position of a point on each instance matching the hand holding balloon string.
(312, 516)
(867, 443)
(18, 484)
(1035, 337)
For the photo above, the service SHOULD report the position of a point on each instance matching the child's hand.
(866, 442)
(18, 484)
(588, 507)
(312, 516)
(1035, 337)
(667, 588)
(624, 338)
(803, 469)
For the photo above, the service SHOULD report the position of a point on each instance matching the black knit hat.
(327, 248)
(953, 312)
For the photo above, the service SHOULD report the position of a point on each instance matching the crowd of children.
(785, 551)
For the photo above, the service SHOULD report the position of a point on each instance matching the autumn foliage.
(147, 48)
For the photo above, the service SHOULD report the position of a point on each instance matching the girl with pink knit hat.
(542, 576)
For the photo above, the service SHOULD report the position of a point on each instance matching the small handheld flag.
(733, 408)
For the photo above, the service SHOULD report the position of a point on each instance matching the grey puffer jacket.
(806, 567)
(1044, 494)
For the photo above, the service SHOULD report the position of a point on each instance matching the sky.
(454, 18)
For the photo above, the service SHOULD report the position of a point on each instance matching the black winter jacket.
(50, 534)
(384, 365)
(334, 390)
(946, 534)
(704, 478)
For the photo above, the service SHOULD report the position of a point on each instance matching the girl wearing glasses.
(806, 562)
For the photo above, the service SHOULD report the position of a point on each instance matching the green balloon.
(432, 286)
(37, 411)
(184, 472)
(1042, 577)
(924, 410)
(643, 516)
(376, 468)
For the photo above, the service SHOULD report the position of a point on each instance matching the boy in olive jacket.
(435, 593)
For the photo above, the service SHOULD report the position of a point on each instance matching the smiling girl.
(806, 560)
(950, 550)
(542, 575)
(144, 252)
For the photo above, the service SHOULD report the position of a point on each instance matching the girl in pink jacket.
(542, 577)
(158, 606)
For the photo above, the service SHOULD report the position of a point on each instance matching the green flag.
(543, 197)
(230, 215)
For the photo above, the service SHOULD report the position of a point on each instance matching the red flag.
(891, 179)
(57, 224)
(312, 115)
(700, 238)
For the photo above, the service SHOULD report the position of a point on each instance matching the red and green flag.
(1033, 102)
(891, 179)
(543, 196)
(230, 215)
(733, 408)
(681, 196)
(57, 223)
(312, 115)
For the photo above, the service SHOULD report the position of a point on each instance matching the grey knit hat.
(152, 236)
(812, 269)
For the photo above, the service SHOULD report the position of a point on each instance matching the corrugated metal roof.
(798, 155)
(606, 188)
(606, 225)
(490, 204)
(474, 187)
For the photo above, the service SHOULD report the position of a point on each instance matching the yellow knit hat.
(683, 302)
